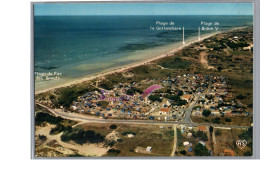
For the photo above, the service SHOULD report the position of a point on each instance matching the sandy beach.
(124, 68)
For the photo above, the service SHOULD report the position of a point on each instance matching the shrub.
(199, 134)
(68, 94)
(113, 152)
(132, 91)
(42, 116)
(220, 68)
(175, 63)
(176, 98)
(183, 152)
(80, 136)
(197, 106)
(202, 135)
(240, 96)
(111, 143)
(42, 137)
(155, 98)
(52, 97)
(216, 120)
(227, 120)
(250, 105)
(59, 128)
(113, 126)
(66, 97)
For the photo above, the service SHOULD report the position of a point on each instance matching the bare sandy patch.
(88, 149)
(204, 61)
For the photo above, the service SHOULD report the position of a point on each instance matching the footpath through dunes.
(204, 60)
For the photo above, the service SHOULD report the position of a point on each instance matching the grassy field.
(235, 120)
(227, 140)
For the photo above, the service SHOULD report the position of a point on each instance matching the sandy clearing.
(87, 149)
(204, 61)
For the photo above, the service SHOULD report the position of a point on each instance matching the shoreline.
(126, 67)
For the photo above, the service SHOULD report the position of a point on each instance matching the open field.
(234, 120)
(227, 140)
(160, 139)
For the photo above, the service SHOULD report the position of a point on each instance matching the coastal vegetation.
(69, 94)
(113, 126)
(155, 98)
(46, 117)
(42, 118)
(113, 152)
(133, 90)
(176, 100)
(175, 63)
(80, 136)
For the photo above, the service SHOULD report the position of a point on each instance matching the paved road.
(188, 110)
(87, 118)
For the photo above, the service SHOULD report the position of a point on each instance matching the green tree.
(210, 129)
(202, 135)
(220, 68)
(206, 112)
(113, 126)
(201, 150)
(183, 152)
(227, 120)
(155, 98)
(42, 116)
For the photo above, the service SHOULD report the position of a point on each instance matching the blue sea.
(77, 46)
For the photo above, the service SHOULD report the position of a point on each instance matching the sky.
(143, 9)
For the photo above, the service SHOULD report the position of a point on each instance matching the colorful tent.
(150, 90)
